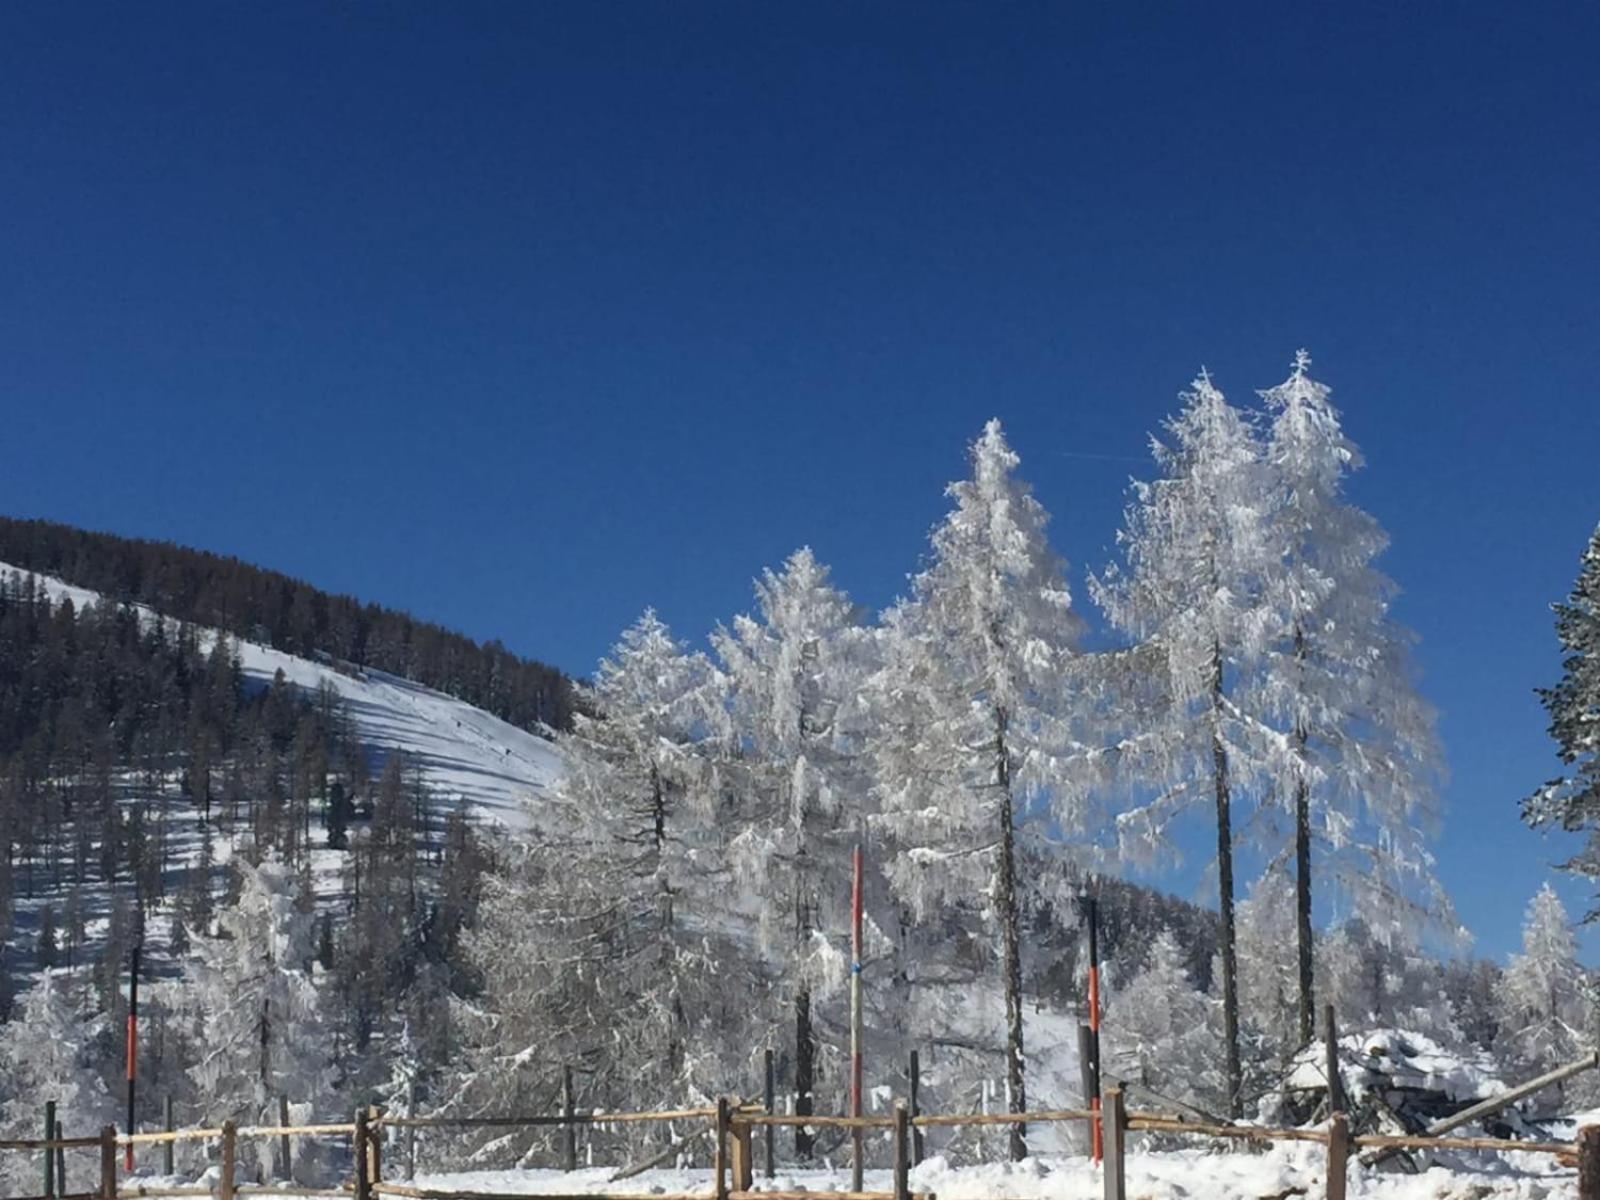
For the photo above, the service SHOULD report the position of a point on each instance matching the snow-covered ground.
(1156, 1175)
(462, 751)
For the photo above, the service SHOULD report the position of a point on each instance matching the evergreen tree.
(254, 1005)
(1572, 800)
(1160, 1029)
(972, 738)
(794, 675)
(1196, 555)
(1267, 978)
(1337, 680)
(49, 1049)
(1544, 1015)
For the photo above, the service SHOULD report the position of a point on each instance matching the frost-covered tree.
(1160, 1030)
(253, 1003)
(794, 676)
(653, 696)
(972, 739)
(1543, 1010)
(1195, 558)
(613, 932)
(48, 1051)
(1572, 801)
(1337, 679)
(1267, 985)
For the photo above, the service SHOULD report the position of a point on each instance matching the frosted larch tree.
(1543, 1009)
(1337, 678)
(604, 932)
(1267, 976)
(1160, 1029)
(972, 738)
(1191, 584)
(794, 674)
(256, 1013)
(48, 1049)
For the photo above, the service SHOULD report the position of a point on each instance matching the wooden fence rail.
(733, 1123)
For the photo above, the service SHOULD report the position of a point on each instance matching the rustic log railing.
(733, 1124)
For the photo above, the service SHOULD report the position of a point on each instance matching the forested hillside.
(266, 606)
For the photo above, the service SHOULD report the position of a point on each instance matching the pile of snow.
(1398, 1061)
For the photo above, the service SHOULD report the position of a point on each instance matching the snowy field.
(1156, 1175)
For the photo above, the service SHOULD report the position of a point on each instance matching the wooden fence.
(732, 1125)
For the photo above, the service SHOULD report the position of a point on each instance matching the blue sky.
(526, 316)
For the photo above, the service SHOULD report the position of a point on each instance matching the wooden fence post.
(108, 1163)
(230, 1151)
(1330, 1035)
(375, 1146)
(770, 1097)
(916, 1108)
(285, 1154)
(50, 1151)
(742, 1161)
(902, 1151)
(719, 1166)
(61, 1160)
(569, 1130)
(1338, 1154)
(359, 1144)
(1589, 1163)
(1114, 1122)
(168, 1151)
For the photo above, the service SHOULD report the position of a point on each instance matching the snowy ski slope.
(462, 751)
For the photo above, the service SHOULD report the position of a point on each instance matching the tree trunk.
(1010, 938)
(805, 1051)
(658, 809)
(1302, 890)
(1230, 965)
(1302, 865)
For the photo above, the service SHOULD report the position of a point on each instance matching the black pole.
(916, 1108)
(133, 1048)
(1091, 916)
(770, 1096)
(49, 1150)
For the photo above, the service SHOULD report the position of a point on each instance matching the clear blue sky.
(524, 316)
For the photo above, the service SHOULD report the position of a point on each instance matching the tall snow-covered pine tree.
(973, 737)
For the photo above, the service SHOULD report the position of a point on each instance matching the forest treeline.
(152, 795)
(287, 614)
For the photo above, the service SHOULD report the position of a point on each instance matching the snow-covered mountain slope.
(462, 751)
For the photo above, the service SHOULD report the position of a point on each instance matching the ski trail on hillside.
(463, 752)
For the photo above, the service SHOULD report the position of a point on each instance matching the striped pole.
(857, 1139)
(133, 1049)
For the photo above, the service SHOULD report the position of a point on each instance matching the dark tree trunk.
(1230, 965)
(1302, 866)
(658, 809)
(1010, 937)
(805, 1048)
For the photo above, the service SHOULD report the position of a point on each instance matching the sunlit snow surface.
(462, 751)
(1158, 1175)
